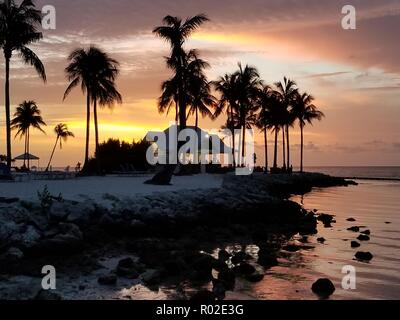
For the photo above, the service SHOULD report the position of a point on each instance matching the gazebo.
(27, 157)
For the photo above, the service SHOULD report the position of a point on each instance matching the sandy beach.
(95, 188)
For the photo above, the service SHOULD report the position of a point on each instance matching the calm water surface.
(373, 204)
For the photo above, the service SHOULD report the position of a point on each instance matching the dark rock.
(255, 277)
(107, 280)
(219, 289)
(351, 219)
(323, 288)
(12, 255)
(366, 232)
(355, 244)
(304, 239)
(363, 237)
(228, 278)
(47, 295)
(325, 218)
(223, 255)
(8, 200)
(239, 257)
(219, 265)
(387, 222)
(291, 248)
(151, 277)
(365, 256)
(244, 269)
(321, 240)
(129, 269)
(266, 259)
(174, 267)
(354, 229)
(203, 296)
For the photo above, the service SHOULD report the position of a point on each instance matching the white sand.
(95, 187)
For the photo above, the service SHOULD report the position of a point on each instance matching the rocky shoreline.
(166, 239)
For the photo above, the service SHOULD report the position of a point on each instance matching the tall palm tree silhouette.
(62, 134)
(198, 87)
(26, 116)
(228, 102)
(18, 28)
(248, 86)
(104, 91)
(306, 112)
(96, 74)
(176, 32)
(265, 117)
(287, 90)
(169, 97)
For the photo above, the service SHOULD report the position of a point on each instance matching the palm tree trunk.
(87, 130)
(288, 146)
(244, 145)
(96, 131)
(52, 153)
(233, 137)
(7, 107)
(29, 137)
(266, 148)
(301, 147)
(176, 111)
(284, 147)
(276, 149)
(25, 149)
(197, 119)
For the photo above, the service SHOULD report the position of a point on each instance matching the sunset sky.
(354, 74)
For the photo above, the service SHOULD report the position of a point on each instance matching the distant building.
(208, 144)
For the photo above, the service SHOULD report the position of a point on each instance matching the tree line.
(245, 99)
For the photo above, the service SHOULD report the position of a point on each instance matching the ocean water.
(359, 172)
(375, 206)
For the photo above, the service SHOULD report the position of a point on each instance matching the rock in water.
(244, 269)
(354, 229)
(266, 259)
(355, 244)
(255, 277)
(323, 288)
(366, 232)
(363, 237)
(321, 240)
(351, 219)
(365, 256)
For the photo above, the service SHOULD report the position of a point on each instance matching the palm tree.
(228, 102)
(306, 112)
(287, 91)
(176, 32)
(103, 91)
(198, 87)
(18, 28)
(62, 133)
(26, 116)
(248, 86)
(96, 74)
(169, 97)
(264, 120)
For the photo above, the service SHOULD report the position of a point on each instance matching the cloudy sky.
(354, 74)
